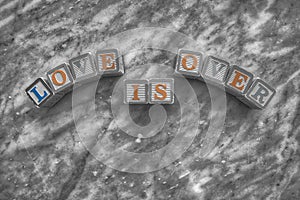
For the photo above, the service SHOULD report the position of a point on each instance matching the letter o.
(63, 75)
(184, 62)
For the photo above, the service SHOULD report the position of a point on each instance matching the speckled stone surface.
(257, 155)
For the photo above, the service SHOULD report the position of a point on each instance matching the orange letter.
(160, 91)
(63, 75)
(135, 93)
(239, 80)
(108, 61)
(195, 62)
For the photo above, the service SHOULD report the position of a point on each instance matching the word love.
(252, 91)
(80, 70)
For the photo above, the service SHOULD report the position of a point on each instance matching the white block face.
(189, 63)
(161, 91)
(260, 93)
(107, 60)
(82, 67)
(59, 77)
(136, 91)
(109, 63)
(39, 92)
(215, 69)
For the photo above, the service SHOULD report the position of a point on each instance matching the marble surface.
(257, 154)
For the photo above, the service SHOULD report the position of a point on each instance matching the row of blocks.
(251, 90)
(60, 80)
(153, 91)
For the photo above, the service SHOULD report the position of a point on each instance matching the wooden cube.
(60, 79)
(189, 64)
(238, 81)
(161, 91)
(136, 92)
(215, 70)
(83, 69)
(41, 94)
(259, 94)
(109, 63)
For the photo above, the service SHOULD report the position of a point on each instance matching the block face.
(60, 78)
(109, 63)
(189, 63)
(136, 91)
(238, 81)
(260, 94)
(215, 70)
(83, 67)
(161, 91)
(39, 92)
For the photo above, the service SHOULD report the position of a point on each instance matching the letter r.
(260, 93)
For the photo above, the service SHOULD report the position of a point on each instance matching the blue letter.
(37, 94)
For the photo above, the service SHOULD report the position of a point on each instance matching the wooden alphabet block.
(238, 81)
(136, 91)
(259, 94)
(189, 64)
(60, 79)
(41, 94)
(83, 68)
(161, 91)
(215, 70)
(109, 63)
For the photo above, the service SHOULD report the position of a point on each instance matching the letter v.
(81, 64)
(216, 67)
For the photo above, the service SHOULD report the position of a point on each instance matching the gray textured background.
(257, 156)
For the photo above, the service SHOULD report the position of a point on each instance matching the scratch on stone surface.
(294, 75)
(7, 20)
(8, 5)
(70, 184)
(223, 5)
(281, 52)
(254, 47)
(263, 17)
(101, 19)
(30, 5)
(1, 1)
(278, 192)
